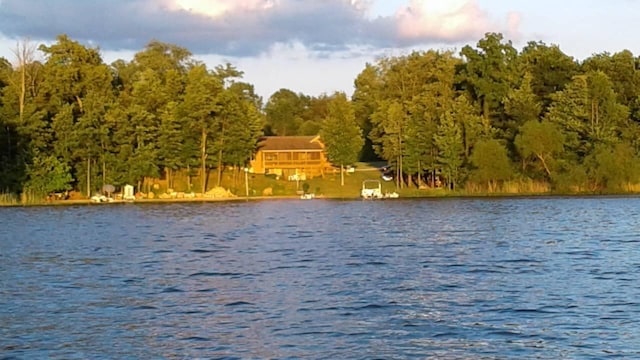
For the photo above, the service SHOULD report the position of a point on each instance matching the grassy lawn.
(261, 185)
(328, 186)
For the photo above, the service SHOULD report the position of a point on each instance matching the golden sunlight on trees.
(483, 116)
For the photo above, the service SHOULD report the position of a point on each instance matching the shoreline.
(89, 202)
(151, 201)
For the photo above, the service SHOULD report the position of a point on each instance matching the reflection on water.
(509, 278)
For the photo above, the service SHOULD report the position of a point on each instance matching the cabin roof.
(290, 143)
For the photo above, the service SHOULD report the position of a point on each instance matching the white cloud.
(217, 8)
(450, 20)
(514, 21)
(248, 28)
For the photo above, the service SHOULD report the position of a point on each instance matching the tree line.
(73, 122)
(492, 114)
(485, 116)
(495, 114)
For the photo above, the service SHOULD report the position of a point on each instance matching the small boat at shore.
(101, 199)
(372, 189)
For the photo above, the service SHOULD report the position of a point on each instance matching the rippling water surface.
(541, 278)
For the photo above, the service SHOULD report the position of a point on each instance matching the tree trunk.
(485, 114)
(220, 167)
(203, 160)
(23, 87)
(397, 172)
(400, 164)
(433, 178)
(544, 164)
(79, 100)
(222, 130)
(89, 177)
(341, 175)
(189, 178)
(24, 54)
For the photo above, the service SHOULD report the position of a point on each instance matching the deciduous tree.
(542, 141)
(200, 107)
(341, 134)
(491, 161)
(284, 112)
(549, 68)
(587, 113)
(489, 72)
(451, 149)
(76, 78)
(613, 167)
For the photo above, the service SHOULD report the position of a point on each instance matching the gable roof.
(284, 143)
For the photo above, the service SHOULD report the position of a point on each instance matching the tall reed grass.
(8, 199)
(514, 187)
(28, 197)
(25, 198)
(632, 188)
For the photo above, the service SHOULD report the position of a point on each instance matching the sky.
(317, 47)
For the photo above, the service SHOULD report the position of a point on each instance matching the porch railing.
(291, 164)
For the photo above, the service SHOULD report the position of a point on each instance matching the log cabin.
(297, 157)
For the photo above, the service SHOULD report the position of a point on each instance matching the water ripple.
(539, 278)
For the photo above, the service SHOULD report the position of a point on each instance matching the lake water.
(544, 278)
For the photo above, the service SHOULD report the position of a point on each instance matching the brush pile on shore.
(215, 193)
(218, 193)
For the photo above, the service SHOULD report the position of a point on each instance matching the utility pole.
(246, 181)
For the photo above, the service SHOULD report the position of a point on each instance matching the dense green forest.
(482, 119)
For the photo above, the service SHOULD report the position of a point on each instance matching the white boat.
(371, 189)
(307, 196)
(97, 198)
